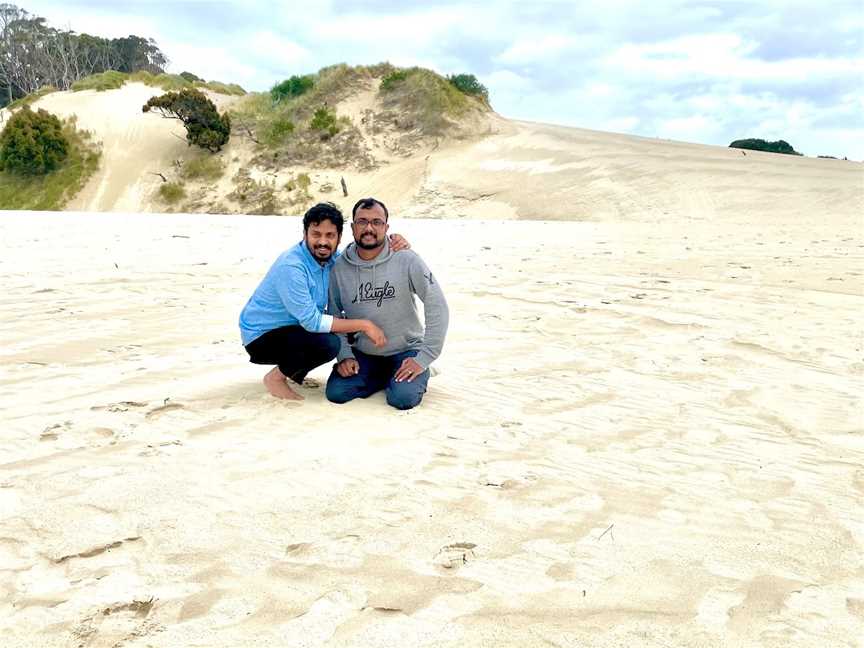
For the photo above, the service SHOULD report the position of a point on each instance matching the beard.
(322, 252)
(369, 242)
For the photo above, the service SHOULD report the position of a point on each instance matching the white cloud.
(777, 68)
(537, 49)
(211, 63)
(721, 56)
(267, 44)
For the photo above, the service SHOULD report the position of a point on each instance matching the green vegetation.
(53, 190)
(293, 87)
(299, 188)
(191, 78)
(32, 97)
(277, 132)
(110, 80)
(172, 192)
(324, 120)
(167, 82)
(780, 146)
(206, 167)
(425, 100)
(222, 88)
(282, 117)
(257, 197)
(390, 81)
(468, 84)
(32, 143)
(301, 182)
(414, 99)
(205, 127)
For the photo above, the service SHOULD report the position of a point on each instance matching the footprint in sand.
(454, 555)
(122, 406)
(167, 407)
(49, 434)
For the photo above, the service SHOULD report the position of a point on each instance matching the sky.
(706, 72)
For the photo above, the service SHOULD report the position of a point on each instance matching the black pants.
(294, 350)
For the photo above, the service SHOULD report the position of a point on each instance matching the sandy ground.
(643, 434)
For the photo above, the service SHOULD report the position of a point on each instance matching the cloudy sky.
(706, 72)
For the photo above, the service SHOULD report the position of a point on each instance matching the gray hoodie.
(382, 290)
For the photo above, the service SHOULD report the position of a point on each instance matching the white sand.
(648, 429)
(644, 434)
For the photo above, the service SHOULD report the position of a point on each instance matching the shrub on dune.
(468, 84)
(24, 189)
(325, 120)
(205, 127)
(755, 144)
(293, 87)
(32, 143)
(172, 192)
(208, 167)
(110, 80)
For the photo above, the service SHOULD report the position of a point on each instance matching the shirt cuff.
(326, 324)
(424, 359)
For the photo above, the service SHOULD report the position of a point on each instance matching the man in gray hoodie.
(369, 282)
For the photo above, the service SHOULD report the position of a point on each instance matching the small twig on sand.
(249, 132)
(164, 179)
(607, 531)
(344, 187)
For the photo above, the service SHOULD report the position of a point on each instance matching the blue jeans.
(376, 373)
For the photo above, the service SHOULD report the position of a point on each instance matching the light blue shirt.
(293, 292)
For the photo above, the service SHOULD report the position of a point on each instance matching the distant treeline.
(753, 144)
(33, 55)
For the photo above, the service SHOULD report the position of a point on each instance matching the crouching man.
(285, 322)
(369, 282)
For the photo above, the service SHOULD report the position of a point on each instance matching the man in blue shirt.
(285, 322)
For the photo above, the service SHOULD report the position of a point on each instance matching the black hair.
(369, 203)
(322, 212)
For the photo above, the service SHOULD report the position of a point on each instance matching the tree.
(205, 127)
(33, 55)
(138, 53)
(755, 144)
(32, 143)
(293, 87)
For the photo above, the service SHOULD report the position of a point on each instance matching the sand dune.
(511, 170)
(643, 434)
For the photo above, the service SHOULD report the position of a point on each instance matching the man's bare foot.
(277, 385)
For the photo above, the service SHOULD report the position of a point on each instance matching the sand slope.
(644, 434)
(509, 170)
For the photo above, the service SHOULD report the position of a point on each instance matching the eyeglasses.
(362, 223)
